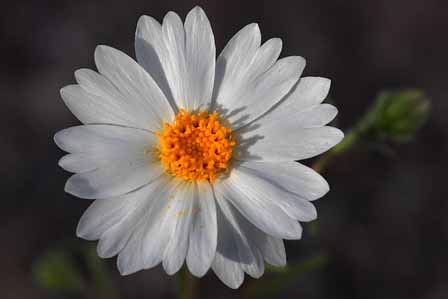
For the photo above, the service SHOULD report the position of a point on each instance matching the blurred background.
(383, 228)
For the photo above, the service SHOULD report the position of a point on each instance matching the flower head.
(195, 147)
(191, 158)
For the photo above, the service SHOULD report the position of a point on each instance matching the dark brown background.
(384, 224)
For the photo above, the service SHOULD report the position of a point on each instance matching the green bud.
(56, 272)
(398, 115)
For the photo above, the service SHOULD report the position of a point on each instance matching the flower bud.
(398, 115)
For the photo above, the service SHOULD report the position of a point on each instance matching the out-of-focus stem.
(346, 144)
(394, 116)
(186, 284)
(270, 288)
(101, 276)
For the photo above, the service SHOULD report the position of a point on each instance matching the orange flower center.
(195, 146)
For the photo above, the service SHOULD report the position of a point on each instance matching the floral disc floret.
(195, 146)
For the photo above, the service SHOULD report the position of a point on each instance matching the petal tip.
(197, 9)
(79, 72)
(68, 188)
(57, 138)
(169, 269)
(197, 272)
(326, 82)
(100, 51)
(80, 233)
(62, 160)
(278, 41)
(64, 91)
(300, 62)
(76, 188)
(339, 135)
(171, 15)
(141, 19)
(235, 285)
(121, 269)
(253, 26)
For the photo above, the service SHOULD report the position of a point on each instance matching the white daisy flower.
(192, 159)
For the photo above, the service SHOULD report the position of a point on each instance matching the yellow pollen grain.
(195, 146)
(180, 213)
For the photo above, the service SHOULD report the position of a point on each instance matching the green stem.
(186, 284)
(101, 276)
(350, 139)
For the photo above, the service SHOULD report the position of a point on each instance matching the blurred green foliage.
(56, 272)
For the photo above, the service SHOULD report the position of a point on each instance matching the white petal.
(117, 179)
(200, 58)
(228, 271)
(268, 188)
(232, 248)
(316, 116)
(274, 251)
(290, 176)
(264, 91)
(292, 130)
(158, 226)
(150, 238)
(247, 82)
(153, 55)
(78, 162)
(139, 205)
(123, 157)
(86, 162)
(181, 213)
(91, 107)
(241, 246)
(103, 139)
(233, 63)
(261, 244)
(266, 56)
(101, 215)
(115, 238)
(284, 141)
(131, 258)
(135, 85)
(203, 234)
(311, 117)
(255, 268)
(242, 233)
(94, 146)
(181, 57)
(308, 92)
(263, 212)
(175, 67)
